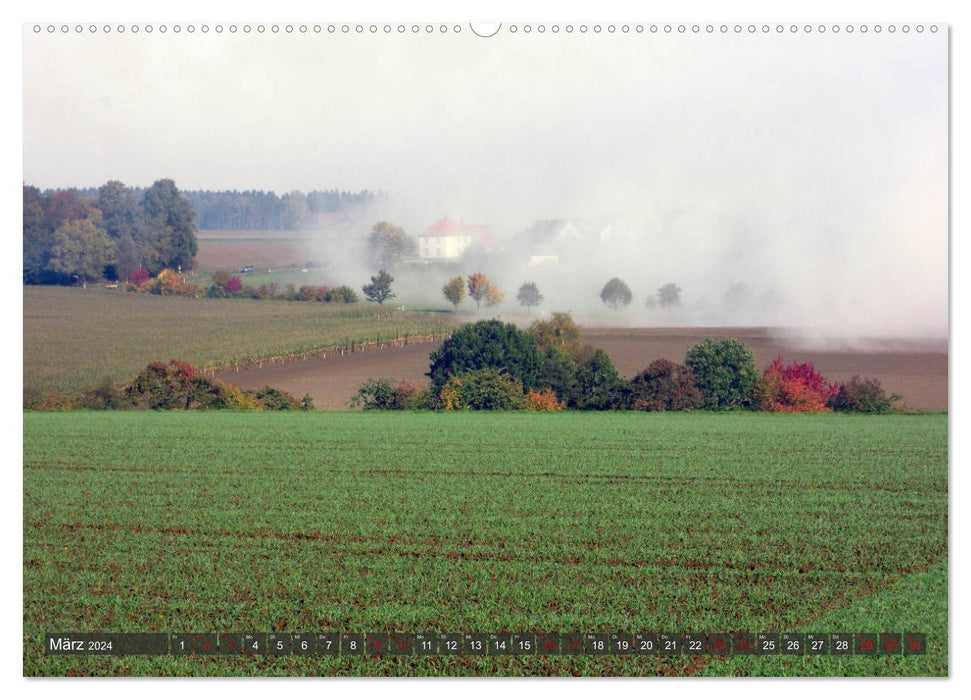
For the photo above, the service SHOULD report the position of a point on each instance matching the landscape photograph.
(447, 349)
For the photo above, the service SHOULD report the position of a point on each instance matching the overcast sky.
(821, 156)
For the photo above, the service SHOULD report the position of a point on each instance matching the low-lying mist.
(778, 178)
(818, 280)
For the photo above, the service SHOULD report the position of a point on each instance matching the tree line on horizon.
(251, 210)
(256, 210)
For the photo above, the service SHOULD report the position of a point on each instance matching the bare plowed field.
(231, 250)
(915, 369)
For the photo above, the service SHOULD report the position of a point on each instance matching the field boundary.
(335, 349)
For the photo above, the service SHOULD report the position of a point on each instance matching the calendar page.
(444, 348)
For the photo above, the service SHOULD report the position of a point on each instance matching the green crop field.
(417, 522)
(73, 338)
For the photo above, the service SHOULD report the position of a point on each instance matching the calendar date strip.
(484, 644)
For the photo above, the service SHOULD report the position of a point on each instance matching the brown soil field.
(231, 250)
(915, 369)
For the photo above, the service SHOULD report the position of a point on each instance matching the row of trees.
(75, 235)
(222, 285)
(378, 290)
(480, 290)
(257, 210)
(68, 237)
(483, 291)
(254, 210)
(490, 365)
(617, 294)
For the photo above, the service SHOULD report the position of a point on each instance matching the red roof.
(446, 227)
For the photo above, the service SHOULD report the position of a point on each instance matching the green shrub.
(559, 331)
(272, 399)
(862, 396)
(374, 394)
(208, 393)
(483, 390)
(341, 295)
(599, 386)
(558, 372)
(725, 372)
(384, 394)
(487, 345)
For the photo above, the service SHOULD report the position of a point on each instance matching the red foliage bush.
(233, 285)
(793, 387)
(181, 369)
(139, 276)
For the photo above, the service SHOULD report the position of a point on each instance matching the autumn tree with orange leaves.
(481, 289)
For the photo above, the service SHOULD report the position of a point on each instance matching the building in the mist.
(547, 239)
(448, 240)
(599, 229)
(549, 242)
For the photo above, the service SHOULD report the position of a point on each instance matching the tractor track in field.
(591, 478)
(392, 545)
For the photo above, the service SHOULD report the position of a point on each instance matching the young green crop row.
(482, 522)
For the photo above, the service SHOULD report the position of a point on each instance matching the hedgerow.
(175, 385)
(490, 365)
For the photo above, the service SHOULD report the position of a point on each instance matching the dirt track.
(917, 370)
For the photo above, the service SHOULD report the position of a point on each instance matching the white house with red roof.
(448, 240)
